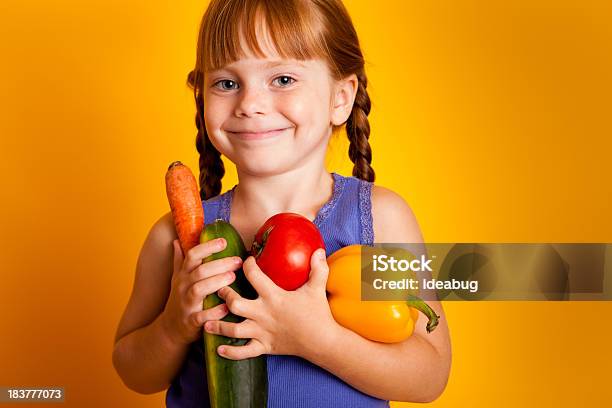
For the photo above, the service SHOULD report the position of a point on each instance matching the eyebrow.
(273, 64)
(270, 64)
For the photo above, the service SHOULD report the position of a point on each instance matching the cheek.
(213, 115)
(306, 110)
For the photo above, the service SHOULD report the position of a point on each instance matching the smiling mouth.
(257, 135)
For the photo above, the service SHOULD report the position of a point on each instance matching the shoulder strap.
(365, 212)
(213, 208)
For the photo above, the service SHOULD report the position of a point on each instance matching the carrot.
(185, 203)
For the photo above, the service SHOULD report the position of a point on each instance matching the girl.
(273, 80)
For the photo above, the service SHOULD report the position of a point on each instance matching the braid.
(211, 165)
(358, 131)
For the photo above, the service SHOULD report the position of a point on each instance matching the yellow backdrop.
(492, 119)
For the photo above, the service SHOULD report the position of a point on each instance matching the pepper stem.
(420, 305)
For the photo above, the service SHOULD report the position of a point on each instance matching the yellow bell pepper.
(382, 321)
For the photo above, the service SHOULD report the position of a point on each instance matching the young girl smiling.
(273, 80)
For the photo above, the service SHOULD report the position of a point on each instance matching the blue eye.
(226, 84)
(284, 80)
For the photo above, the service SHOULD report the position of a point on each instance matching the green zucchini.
(232, 384)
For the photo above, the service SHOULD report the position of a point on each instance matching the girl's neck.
(302, 190)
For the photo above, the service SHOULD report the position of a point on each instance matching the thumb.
(319, 270)
(178, 255)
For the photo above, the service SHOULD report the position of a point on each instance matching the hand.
(278, 322)
(192, 281)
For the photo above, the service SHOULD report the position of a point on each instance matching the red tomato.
(283, 246)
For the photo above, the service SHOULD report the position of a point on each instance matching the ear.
(344, 93)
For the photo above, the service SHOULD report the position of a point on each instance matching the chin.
(263, 167)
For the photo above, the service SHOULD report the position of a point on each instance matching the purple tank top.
(344, 220)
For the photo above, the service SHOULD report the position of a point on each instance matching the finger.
(319, 270)
(204, 287)
(244, 330)
(253, 348)
(178, 255)
(214, 313)
(215, 267)
(264, 286)
(195, 256)
(237, 304)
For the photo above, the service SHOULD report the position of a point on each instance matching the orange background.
(492, 120)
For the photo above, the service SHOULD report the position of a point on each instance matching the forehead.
(260, 52)
(263, 54)
(257, 36)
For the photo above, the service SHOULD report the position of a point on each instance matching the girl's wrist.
(322, 343)
(167, 334)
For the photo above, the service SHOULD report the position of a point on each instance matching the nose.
(252, 101)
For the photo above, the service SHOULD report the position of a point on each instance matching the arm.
(144, 356)
(416, 369)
